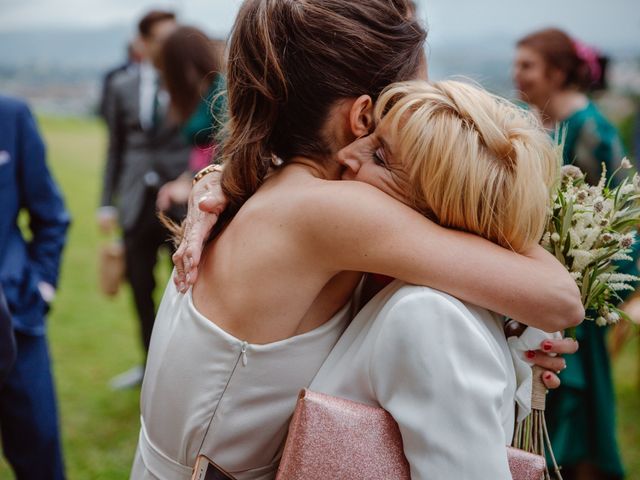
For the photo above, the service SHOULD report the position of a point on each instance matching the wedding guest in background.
(29, 275)
(191, 66)
(145, 151)
(134, 57)
(554, 73)
(7, 340)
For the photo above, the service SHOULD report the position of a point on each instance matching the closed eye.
(379, 158)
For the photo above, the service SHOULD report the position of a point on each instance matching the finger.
(193, 252)
(211, 204)
(556, 364)
(561, 346)
(550, 380)
(178, 261)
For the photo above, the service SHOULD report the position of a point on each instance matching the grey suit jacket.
(137, 160)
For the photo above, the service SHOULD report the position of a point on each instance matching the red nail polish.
(531, 354)
(546, 346)
(547, 376)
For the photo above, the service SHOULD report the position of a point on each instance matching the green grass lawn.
(93, 339)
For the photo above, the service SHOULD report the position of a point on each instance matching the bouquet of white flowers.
(590, 228)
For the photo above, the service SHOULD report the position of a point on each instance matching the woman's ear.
(361, 116)
(557, 77)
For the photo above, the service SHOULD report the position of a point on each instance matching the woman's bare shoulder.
(350, 216)
(346, 198)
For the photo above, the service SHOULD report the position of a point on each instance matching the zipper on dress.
(243, 354)
(242, 357)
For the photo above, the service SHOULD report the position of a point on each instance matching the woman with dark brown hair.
(553, 73)
(191, 65)
(272, 298)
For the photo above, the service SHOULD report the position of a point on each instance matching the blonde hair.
(475, 162)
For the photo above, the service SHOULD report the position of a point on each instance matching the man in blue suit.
(28, 275)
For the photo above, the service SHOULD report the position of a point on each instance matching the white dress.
(208, 392)
(444, 371)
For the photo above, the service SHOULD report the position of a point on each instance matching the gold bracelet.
(206, 171)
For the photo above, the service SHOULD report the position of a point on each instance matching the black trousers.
(142, 243)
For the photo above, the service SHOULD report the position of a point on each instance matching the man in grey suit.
(146, 150)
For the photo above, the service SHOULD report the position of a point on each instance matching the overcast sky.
(602, 22)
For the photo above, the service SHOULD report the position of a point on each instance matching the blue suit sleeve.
(40, 196)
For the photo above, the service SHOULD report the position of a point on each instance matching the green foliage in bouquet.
(590, 228)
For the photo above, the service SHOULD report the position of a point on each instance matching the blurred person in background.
(135, 55)
(146, 150)
(29, 275)
(553, 74)
(191, 65)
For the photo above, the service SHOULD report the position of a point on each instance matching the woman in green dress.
(553, 73)
(191, 66)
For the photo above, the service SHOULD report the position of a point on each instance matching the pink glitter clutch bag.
(331, 437)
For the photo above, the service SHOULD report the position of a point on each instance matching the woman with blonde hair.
(441, 366)
(274, 286)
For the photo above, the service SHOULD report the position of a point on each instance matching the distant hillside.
(60, 71)
(76, 49)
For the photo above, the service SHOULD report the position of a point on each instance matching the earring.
(276, 161)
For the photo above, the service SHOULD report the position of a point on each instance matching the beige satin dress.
(205, 391)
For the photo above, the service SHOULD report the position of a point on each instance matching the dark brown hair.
(559, 51)
(147, 22)
(189, 61)
(291, 60)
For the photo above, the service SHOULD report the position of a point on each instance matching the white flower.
(571, 171)
(612, 317)
(545, 242)
(607, 237)
(582, 195)
(555, 237)
(617, 277)
(590, 237)
(620, 287)
(625, 163)
(627, 188)
(601, 322)
(598, 205)
(626, 241)
(621, 256)
(581, 258)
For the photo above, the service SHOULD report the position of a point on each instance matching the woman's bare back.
(259, 280)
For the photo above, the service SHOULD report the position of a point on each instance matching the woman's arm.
(446, 390)
(353, 226)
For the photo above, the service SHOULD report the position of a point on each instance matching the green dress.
(581, 413)
(205, 122)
